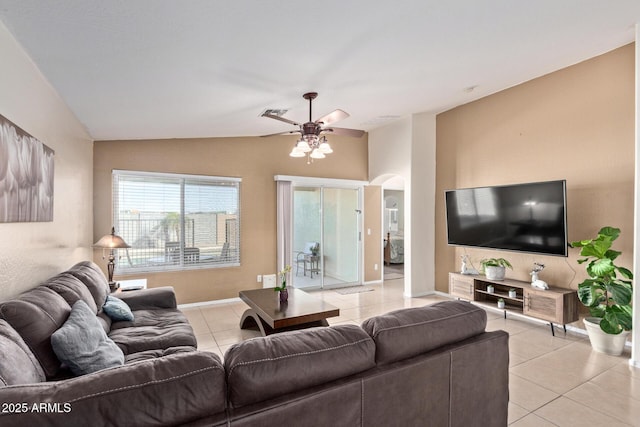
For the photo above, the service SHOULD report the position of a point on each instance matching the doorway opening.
(393, 232)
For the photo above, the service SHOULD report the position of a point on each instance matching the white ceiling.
(133, 69)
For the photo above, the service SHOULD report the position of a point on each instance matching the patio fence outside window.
(176, 222)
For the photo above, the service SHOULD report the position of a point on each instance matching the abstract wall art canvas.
(26, 176)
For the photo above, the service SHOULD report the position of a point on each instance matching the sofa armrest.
(170, 390)
(149, 299)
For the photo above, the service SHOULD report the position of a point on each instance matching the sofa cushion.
(71, 289)
(36, 315)
(262, 368)
(94, 279)
(82, 344)
(105, 321)
(117, 309)
(154, 354)
(152, 330)
(409, 332)
(18, 365)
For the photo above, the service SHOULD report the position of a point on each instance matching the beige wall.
(372, 233)
(31, 252)
(256, 160)
(405, 150)
(575, 124)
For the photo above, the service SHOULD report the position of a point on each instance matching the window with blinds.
(176, 222)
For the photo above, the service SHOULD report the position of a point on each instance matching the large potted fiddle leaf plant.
(607, 292)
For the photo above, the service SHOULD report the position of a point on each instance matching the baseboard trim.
(206, 303)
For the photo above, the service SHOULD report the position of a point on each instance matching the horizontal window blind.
(175, 222)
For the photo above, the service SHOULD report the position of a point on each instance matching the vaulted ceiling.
(200, 68)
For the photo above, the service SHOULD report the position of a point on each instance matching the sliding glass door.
(307, 237)
(341, 215)
(326, 236)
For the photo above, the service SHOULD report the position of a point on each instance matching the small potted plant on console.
(607, 295)
(494, 268)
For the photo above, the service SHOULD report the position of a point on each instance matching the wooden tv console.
(555, 305)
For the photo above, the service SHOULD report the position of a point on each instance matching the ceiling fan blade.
(355, 133)
(282, 119)
(333, 117)
(280, 133)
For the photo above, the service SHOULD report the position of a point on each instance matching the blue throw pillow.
(117, 309)
(83, 345)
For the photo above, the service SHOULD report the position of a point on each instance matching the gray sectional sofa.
(433, 365)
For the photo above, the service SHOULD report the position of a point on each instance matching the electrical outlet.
(259, 279)
(375, 267)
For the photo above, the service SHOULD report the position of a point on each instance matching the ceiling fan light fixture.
(296, 152)
(303, 146)
(312, 143)
(311, 139)
(317, 154)
(324, 147)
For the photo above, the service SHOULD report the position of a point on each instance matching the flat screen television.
(529, 217)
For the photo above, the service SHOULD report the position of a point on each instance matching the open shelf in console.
(484, 294)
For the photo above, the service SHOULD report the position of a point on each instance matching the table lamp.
(111, 241)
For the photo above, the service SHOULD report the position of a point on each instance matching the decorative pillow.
(117, 309)
(82, 344)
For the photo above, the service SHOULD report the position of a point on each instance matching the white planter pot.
(513, 294)
(500, 304)
(603, 342)
(490, 289)
(494, 273)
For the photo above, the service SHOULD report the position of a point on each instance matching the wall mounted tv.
(528, 217)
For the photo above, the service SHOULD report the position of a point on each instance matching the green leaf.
(610, 232)
(580, 243)
(626, 273)
(617, 319)
(595, 249)
(588, 295)
(625, 316)
(602, 267)
(610, 326)
(621, 293)
(598, 311)
(612, 254)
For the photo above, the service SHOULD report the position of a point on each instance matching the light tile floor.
(554, 381)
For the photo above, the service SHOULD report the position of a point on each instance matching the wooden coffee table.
(270, 316)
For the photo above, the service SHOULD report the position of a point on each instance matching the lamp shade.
(325, 147)
(303, 146)
(111, 241)
(317, 154)
(296, 152)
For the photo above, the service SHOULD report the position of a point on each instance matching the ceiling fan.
(313, 143)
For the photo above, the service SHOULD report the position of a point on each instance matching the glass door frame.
(322, 183)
